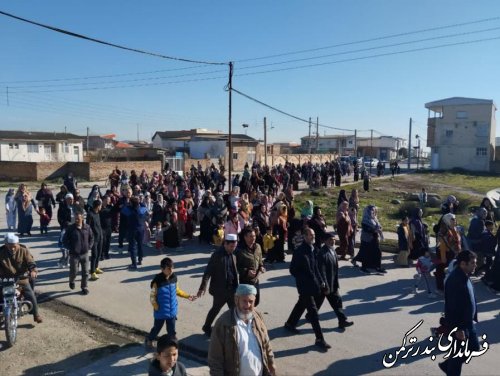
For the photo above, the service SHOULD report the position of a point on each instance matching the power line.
(284, 112)
(72, 34)
(371, 39)
(369, 56)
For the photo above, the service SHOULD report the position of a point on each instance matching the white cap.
(11, 238)
(69, 195)
(231, 237)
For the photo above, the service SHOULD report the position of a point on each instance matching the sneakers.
(72, 285)
(345, 324)
(94, 277)
(98, 271)
(85, 291)
(38, 319)
(291, 329)
(321, 343)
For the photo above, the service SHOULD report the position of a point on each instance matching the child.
(218, 235)
(404, 243)
(158, 236)
(424, 267)
(163, 296)
(269, 240)
(44, 220)
(165, 361)
(488, 244)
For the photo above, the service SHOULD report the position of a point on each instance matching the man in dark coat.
(67, 211)
(329, 268)
(460, 310)
(310, 285)
(222, 273)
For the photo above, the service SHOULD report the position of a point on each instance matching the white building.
(18, 146)
(461, 133)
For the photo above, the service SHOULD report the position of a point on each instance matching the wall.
(33, 171)
(21, 153)
(200, 149)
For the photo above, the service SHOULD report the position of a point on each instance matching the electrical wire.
(76, 35)
(371, 39)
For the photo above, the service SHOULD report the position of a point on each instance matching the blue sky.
(379, 93)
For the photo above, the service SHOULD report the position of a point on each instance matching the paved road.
(382, 307)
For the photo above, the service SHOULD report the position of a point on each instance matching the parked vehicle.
(12, 307)
(369, 161)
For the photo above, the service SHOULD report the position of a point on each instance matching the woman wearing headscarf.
(11, 209)
(342, 197)
(344, 228)
(419, 238)
(450, 205)
(369, 252)
(45, 199)
(261, 218)
(94, 195)
(307, 211)
(448, 246)
(63, 191)
(318, 224)
(486, 203)
(25, 207)
(204, 220)
(281, 231)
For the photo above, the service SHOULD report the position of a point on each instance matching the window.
(449, 133)
(235, 155)
(66, 148)
(481, 152)
(461, 114)
(32, 147)
(13, 145)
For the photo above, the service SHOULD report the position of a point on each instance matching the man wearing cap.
(240, 343)
(223, 276)
(15, 261)
(329, 268)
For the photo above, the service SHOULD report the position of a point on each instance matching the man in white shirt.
(247, 350)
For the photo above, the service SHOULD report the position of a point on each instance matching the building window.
(461, 114)
(481, 152)
(449, 133)
(235, 155)
(32, 147)
(66, 148)
(13, 146)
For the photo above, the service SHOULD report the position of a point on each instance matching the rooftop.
(39, 136)
(438, 105)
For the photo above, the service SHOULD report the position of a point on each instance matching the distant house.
(205, 144)
(22, 146)
(461, 133)
(385, 148)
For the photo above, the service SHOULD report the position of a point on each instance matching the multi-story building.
(461, 133)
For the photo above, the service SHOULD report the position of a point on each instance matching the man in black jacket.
(222, 273)
(329, 268)
(66, 211)
(78, 239)
(106, 216)
(460, 310)
(310, 285)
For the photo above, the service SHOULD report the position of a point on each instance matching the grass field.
(468, 189)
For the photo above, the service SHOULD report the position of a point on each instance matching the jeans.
(83, 261)
(135, 245)
(158, 324)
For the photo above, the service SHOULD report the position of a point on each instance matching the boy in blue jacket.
(163, 296)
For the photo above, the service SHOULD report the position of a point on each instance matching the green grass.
(383, 191)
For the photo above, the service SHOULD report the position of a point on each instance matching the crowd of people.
(253, 225)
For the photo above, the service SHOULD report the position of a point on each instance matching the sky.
(353, 64)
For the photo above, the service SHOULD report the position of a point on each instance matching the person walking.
(460, 311)
(328, 266)
(94, 221)
(10, 209)
(240, 344)
(78, 239)
(448, 246)
(310, 285)
(249, 260)
(222, 273)
(106, 216)
(344, 228)
(136, 218)
(45, 199)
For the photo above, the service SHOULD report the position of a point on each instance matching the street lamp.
(418, 150)
(245, 126)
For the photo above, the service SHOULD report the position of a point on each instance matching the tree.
(403, 153)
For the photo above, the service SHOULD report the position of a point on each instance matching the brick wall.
(18, 171)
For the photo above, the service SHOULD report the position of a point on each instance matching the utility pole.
(265, 142)
(230, 139)
(137, 132)
(356, 143)
(371, 150)
(65, 129)
(88, 129)
(317, 134)
(309, 140)
(409, 147)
